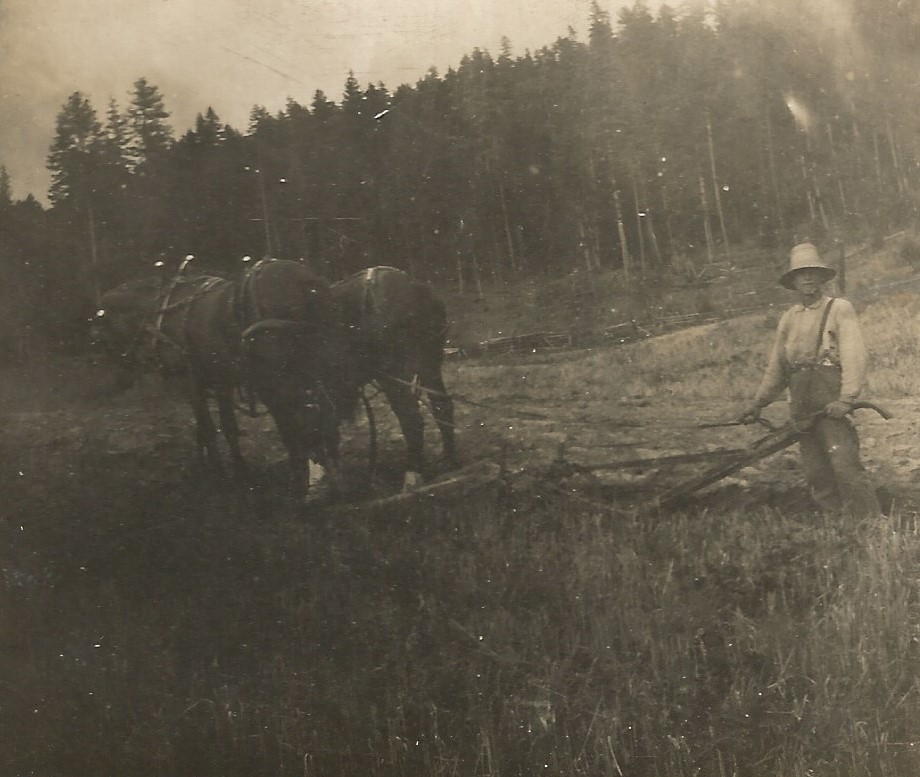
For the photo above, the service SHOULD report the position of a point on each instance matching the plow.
(486, 476)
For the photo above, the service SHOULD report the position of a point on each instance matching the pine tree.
(321, 106)
(150, 134)
(116, 131)
(6, 188)
(209, 131)
(352, 99)
(114, 150)
(74, 157)
(260, 120)
(77, 164)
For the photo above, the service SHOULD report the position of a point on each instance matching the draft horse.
(396, 330)
(273, 331)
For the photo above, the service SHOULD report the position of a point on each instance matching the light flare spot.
(799, 111)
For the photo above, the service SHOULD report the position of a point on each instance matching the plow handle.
(865, 405)
(766, 446)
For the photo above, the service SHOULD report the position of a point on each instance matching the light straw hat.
(805, 257)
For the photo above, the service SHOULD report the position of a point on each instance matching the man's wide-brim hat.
(805, 257)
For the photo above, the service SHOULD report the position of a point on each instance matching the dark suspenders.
(825, 316)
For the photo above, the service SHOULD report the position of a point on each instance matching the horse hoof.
(412, 480)
(316, 472)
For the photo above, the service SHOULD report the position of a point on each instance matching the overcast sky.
(233, 54)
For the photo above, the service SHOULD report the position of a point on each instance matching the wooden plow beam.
(729, 461)
(472, 480)
(774, 442)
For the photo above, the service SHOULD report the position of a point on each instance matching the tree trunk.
(878, 161)
(583, 244)
(621, 232)
(93, 257)
(653, 238)
(808, 194)
(820, 200)
(511, 255)
(837, 175)
(665, 206)
(841, 268)
(263, 199)
(707, 229)
(715, 184)
(779, 221)
(639, 227)
(477, 276)
(895, 157)
(460, 286)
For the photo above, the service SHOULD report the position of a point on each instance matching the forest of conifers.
(663, 135)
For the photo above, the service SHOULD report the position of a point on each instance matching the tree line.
(661, 140)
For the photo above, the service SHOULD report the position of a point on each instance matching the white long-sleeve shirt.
(841, 344)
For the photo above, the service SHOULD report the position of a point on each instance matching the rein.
(417, 389)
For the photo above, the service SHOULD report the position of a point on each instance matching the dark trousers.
(830, 448)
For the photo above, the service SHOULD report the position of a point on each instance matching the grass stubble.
(148, 630)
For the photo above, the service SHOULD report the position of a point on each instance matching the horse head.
(295, 357)
(119, 327)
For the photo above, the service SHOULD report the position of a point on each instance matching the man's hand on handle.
(837, 409)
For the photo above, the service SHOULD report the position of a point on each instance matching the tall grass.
(518, 637)
(155, 623)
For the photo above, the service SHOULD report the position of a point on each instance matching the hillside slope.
(585, 301)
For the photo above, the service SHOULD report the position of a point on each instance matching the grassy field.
(154, 622)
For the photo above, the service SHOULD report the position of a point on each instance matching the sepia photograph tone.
(459, 389)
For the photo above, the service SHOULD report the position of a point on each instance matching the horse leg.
(312, 446)
(442, 408)
(321, 442)
(231, 431)
(405, 405)
(286, 423)
(205, 430)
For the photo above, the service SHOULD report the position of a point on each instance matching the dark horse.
(397, 328)
(275, 332)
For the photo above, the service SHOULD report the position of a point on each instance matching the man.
(819, 355)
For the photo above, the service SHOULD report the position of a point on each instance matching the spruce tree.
(75, 154)
(150, 133)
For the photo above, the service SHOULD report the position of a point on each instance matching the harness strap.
(246, 288)
(159, 337)
(272, 324)
(167, 298)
